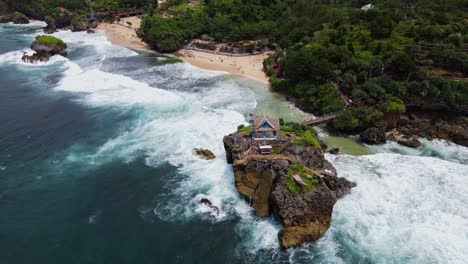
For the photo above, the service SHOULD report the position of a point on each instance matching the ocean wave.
(404, 209)
(436, 148)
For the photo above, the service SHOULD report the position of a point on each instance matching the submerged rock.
(410, 142)
(268, 184)
(204, 153)
(334, 151)
(210, 205)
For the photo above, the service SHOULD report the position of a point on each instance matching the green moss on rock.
(50, 40)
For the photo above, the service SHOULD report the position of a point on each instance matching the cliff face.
(263, 181)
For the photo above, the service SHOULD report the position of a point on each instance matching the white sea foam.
(32, 24)
(404, 209)
(435, 148)
(14, 57)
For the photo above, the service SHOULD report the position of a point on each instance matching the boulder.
(373, 135)
(5, 19)
(210, 205)
(391, 137)
(334, 151)
(16, 18)
(90, 31)
(19, 18)
(45, 47)
(51, 27)
(412, 142)
(79, 23)
(49, 45)
(204, 153)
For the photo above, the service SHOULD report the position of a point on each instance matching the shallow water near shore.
(96, 166)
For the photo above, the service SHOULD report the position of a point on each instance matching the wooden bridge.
(315, 121)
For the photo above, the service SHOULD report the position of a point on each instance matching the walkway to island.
(315, 121)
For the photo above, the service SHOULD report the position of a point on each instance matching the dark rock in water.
(204, 153)
(45, 47)
(5, 19)
(334, 151)
(262, 180)
(49, 45)
(16, 18)
(210, 205)
(51, 27)
(90, 31)
(410, 142)
(19, 18)
(36, 57)
(79, 23)
(391, 137)
(373, 135)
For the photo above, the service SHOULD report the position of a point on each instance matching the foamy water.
(410, 206)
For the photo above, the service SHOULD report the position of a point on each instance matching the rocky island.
(281, 170)
(45, 47)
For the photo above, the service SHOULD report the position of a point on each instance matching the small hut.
(265, 128)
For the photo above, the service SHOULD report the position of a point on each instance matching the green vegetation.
(243, 129)
(50, 40)
(327, 53)
(309, 139)
(309, 179)
(306, 135)
(40, 9)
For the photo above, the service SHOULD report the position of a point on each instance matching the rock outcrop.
(51, 27)
(265, 182)
(45, 47)
(373, 135)
(16, 18)
(437, 124)
(411, 142)
(204, 153)
(79, 23)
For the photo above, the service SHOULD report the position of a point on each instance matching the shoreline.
(123, 34)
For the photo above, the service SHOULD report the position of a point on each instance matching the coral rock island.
(282, 171)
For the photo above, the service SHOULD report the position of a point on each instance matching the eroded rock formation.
(45, 47)
(262, 180)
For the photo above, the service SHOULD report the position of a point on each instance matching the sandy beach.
(124, 34)
(247, 66)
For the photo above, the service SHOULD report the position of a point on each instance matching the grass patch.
(244, 129)
(309, 178)
(309, 139)
(50, 40)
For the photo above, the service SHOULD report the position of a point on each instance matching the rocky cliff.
(296, 184)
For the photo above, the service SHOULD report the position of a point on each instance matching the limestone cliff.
(266, 182)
